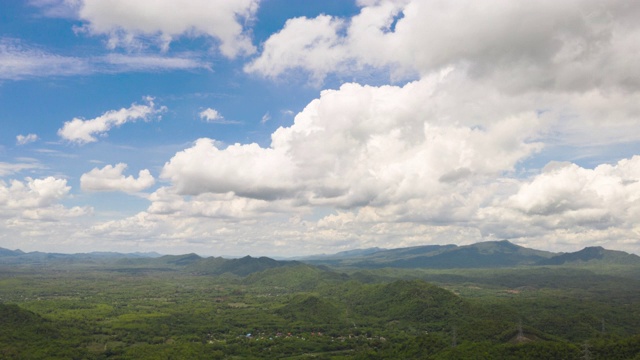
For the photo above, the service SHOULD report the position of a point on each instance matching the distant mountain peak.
(592, 253)
(7, 252)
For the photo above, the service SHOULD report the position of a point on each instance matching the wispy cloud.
(14, 168)
(26, 139)
(127, 62)
(56, 8)
(21, 61)
(18, 61)
(83, 131)
(266, 117)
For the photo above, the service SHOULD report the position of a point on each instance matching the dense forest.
(188, 307)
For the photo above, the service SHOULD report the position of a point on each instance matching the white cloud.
(25, 199)
(248, 170)
(436, 160)
(83, 131)
(547, 57)
(142, 62)
(566, 193)
(360, 145)
(31, 212)
(33, 193)
(134, 23)
(311, 44)
(517, 47)
(431, 161)
(12, 168)
(20, 61)
(26, 139)
(568, 205)
(211, 115)
(564, 208)
(269, 236)
(266, 117)
(111, 178)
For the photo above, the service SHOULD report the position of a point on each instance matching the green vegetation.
(187, 307)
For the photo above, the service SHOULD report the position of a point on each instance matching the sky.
(288, 128)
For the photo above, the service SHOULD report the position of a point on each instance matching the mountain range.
(490, 254)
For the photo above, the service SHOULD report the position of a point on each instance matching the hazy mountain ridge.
(36, 257)
(593, 253)
(490, 254)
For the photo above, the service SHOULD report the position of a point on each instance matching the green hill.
(296, 277)
(311, 309)
(412, 301)
(178, 260)
(26, 335)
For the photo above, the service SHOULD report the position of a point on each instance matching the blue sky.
(283, 127)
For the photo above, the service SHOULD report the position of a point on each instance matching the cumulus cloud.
(111, 178)
(248, 170)
(434, 160)
(515, 46)
(359, 145)
(572, 66)
(33, 193)
(565, 193)
(485, 210)
(83, 131)
(571, 205)
(134, 23)
(210, 115)
(311, 44)
(26, 139)
(32, 214)
(444, 158)
(36, 199)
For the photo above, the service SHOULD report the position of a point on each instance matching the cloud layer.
(518, 47)
(474, 139)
